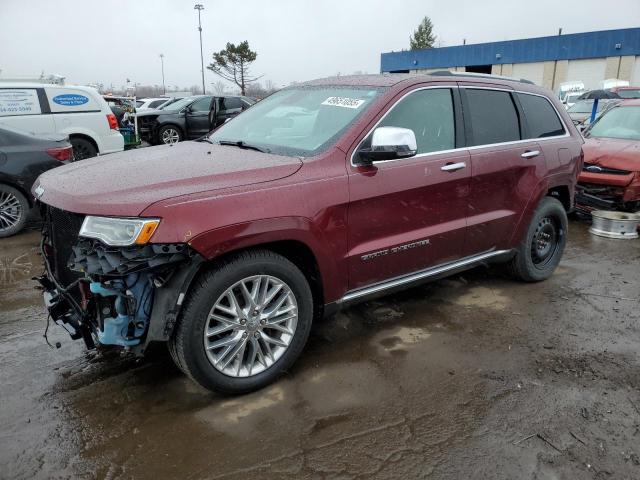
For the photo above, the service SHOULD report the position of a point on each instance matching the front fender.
(220, 241)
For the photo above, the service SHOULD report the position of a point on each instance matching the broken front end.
(106, 284)
(603, 188)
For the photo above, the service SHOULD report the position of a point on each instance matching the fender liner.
(168, 300)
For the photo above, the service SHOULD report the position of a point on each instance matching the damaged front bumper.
(591, 197)
(124, 296)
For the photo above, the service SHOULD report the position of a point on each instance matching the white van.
(79, 112)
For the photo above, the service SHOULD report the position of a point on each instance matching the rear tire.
(540, 251)
(14, 210)
(244, 323)
(83, 148)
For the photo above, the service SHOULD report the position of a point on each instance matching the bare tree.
(219, 87)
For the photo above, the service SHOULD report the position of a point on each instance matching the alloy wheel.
(170, 136)
(10, 210)
(250, 326)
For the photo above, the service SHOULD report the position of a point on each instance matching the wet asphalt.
(475, 376)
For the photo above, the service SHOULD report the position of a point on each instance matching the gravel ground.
(475, 376)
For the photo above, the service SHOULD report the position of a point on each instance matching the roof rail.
(444, 73)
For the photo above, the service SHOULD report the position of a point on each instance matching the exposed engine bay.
(106, 295)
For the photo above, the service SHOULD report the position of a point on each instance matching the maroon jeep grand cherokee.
(321, 195)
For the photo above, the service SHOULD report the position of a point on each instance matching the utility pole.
(200, 7)
(164, 90)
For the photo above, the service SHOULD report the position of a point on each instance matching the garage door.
(635, 73)
(529, 71)
(590, 72)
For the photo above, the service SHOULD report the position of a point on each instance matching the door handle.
(452, 167)
(530, 154)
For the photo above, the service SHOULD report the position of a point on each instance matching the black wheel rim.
(81, 152)
(10, 211)
(545, 241)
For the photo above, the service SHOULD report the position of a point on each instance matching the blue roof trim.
(559, 47)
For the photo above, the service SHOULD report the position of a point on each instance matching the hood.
(124, 184)
(612, 153)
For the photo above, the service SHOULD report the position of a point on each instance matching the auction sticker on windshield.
(343, 102)
(19, 102)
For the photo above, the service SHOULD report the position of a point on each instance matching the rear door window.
(429, 113)
(542, 119)
(156, 103)
(232, 103)
(492, 115)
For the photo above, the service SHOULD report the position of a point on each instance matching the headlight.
(119, 232)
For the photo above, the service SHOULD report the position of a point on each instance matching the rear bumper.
(111, 143)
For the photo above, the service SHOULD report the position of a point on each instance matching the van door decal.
(70, 100)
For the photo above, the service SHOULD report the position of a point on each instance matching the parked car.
(570, 88)
(228, 248)
(580, 112)
(189, 118)
(571, 98)
(610, 178)
(23, 158)
(79, 112)
(147, 103)
(626, 92)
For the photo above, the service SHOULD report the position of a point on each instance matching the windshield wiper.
(241, 144)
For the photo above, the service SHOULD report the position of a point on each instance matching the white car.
(146, 103)
(79, 112)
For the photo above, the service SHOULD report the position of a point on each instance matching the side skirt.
(422, 276)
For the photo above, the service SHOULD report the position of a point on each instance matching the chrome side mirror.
(390, 143)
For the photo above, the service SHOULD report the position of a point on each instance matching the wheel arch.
(171, 124)
(86, 137)
(20, 189)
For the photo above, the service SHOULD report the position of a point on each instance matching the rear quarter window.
(493, 116)
(69, 100)
(19, 101)
(542, 119)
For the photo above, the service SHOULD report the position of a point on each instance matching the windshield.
(299, 121)
(629, 93)
(585, 106)
(179, 104)
(573, 97)
(620, 122)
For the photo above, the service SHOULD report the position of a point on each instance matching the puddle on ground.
(482, 297)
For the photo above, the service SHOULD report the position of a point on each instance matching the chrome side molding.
(429, 273)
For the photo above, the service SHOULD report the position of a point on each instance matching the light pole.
(200, 7)
(164, 90)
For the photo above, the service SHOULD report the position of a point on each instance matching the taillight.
(63, 154)
(113, 121)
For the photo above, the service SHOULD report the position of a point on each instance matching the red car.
(626, 92)
(610, 178)
(321, 195)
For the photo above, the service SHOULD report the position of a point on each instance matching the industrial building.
(590, 57)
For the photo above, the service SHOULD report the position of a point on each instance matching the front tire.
(169, 134)
(14, 209)
(539, 253)
(244, 323)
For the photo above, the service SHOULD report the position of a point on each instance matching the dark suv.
(188, 118)
(321, 195)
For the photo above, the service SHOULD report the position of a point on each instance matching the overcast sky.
(107, 41)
